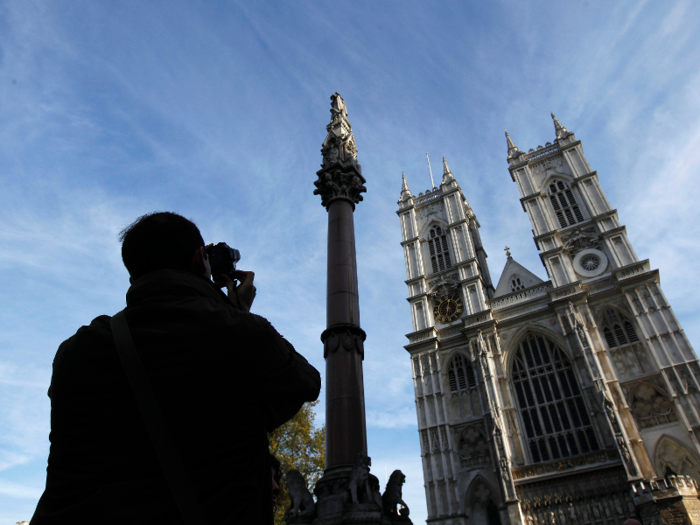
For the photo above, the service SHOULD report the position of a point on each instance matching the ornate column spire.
(405, 192)
(560, 130)
(447, 176)
(341, 174)
(513, 151)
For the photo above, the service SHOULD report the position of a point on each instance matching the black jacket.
(222, 378)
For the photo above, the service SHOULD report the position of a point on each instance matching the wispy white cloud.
(403, 417)
(18, 490)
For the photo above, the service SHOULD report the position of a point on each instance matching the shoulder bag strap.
(175, 474)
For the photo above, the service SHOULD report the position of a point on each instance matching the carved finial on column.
(340, 176)
(560, 130)
(447, 176)
(513, 151)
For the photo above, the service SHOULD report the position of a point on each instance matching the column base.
(334, 504)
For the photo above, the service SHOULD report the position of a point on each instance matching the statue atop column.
(341, 174)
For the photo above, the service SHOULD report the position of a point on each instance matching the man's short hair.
(157, 241)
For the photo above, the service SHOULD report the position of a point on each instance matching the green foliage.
(299, 445)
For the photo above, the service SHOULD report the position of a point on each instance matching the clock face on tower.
(448, 308)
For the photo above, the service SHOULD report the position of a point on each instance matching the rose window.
(590, 262)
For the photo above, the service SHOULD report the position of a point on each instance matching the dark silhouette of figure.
(222, 377)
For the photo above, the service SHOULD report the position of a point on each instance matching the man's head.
(161, 240)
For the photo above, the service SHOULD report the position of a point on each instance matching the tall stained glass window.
(549, 398)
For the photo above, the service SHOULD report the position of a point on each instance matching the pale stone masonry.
(572, 401)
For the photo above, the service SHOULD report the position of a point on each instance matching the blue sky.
(217, 110)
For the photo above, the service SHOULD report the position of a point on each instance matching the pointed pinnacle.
(558, 128)
(447, 176)
(445, 167)
(404, 184)
(510, 142)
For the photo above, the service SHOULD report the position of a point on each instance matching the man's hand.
(242, 294)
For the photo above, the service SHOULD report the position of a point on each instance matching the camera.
(223, 259)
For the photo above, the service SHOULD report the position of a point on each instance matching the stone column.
(343, 343)
(340, 183)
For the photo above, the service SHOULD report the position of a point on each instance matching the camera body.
(223, 259)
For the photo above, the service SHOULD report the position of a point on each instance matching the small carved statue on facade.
(359, 479)
(580, 240)
(393, 497)
(301, 507)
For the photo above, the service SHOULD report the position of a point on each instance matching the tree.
(299, 445)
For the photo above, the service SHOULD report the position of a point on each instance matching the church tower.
(571, 401)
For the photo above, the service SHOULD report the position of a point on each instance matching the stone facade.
(570, 401)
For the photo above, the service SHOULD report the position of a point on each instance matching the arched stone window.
(565, 206)
(549, 398)
(672, 458)
(461, 374)
(617, 329)
(516, 284)
(439, 252)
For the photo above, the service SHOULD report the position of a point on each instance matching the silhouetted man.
(222, 377)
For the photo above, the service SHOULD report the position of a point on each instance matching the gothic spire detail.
(405, 192)
(560, 130)
(340, 176)
(513, 151)
(447, 176)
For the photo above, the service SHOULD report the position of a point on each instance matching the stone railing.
(478, 318)
(646, 491)
(423, 335)
(632, 269)
(542, 152)
(551, 467)
(518, 297)
(449, 332)
(435, 194)
(564, 291)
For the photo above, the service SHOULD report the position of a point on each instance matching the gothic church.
(573, 401)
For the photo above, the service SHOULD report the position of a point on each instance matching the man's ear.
(198, 257)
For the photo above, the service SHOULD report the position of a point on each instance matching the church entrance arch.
(481, 503)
